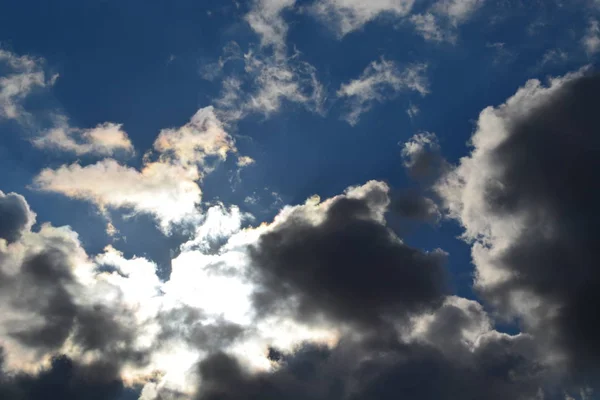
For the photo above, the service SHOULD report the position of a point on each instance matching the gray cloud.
(15, 216)
(528, 197)
(348, 266)
(379, 367)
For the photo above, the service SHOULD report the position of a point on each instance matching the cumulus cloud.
(104, 139)
(166, 188)
(527, 200)
(380, 81)
(338, 259)
(414, 205)
(17, 217)
(422, 156)
(490, 365)
(346, 16)
(23, 75)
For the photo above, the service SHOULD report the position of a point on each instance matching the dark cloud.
(413, 205)
(378, 370)
(63, 380)
(544, 175)
(190, 325)
(350, 267)
(423, 158)
(15, 216)
(47, 307)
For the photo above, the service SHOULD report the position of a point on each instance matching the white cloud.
(591, 40)
(266, 20)
(25, 74)
(167, 188)
(346, 16)
(427, 26)
(104, 139)
(457, 11)
(380, 81)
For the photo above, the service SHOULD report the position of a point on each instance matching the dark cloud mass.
(15, 216)
(64, 379)
(363, 371)
(413, 205)
(546, 174)
(349, 266)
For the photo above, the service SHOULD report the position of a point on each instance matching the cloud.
(345, 16)
(23, 75)
(427, 26)
(457, 11)
(441, 20)
(166, 188)
(17, 217)
(55, 302)
(591, 40)
(422, 156)
(458, 355)
(527, 200)
(105, 139)
(380, 81)
(338, 260)
(272, 74)
(413, 205)
(266, 20)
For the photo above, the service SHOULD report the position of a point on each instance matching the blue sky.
(301, 98)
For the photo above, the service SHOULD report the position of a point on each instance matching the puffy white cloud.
(166, 188)
(380, 81)
(104, 139)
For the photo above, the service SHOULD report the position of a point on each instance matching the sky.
(301, 199)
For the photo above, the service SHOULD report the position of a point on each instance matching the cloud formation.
(23, 75)
(104, 139)
(380, 81)
(166, 188)
(338, 260)
(527, 201)
(346, 16)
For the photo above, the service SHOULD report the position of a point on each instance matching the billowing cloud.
(350, 15)
(24, 74)
(422, 157)
(166, 188)
(458, 355)
(527, 199)
(413, 205)
(380, 81)
(338, 259)
(104, 139)
(17, 217)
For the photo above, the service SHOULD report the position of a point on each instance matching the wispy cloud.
(380, 81)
